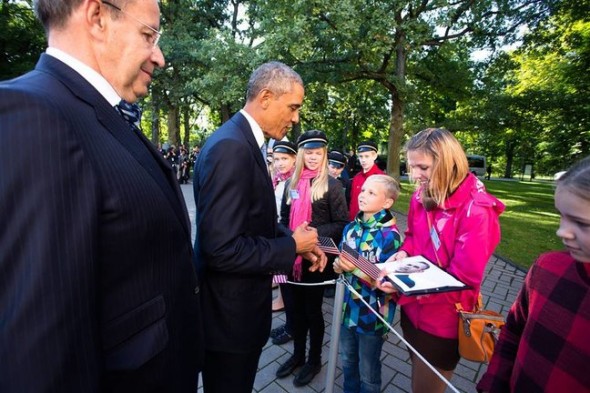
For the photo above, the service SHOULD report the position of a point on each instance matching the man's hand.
(306, 239)
(317, 258)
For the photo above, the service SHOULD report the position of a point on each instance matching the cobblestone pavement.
(500, 287)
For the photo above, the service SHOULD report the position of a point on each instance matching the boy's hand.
(343, 265)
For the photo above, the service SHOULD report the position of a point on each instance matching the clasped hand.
(306, 240)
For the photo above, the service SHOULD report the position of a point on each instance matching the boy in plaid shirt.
(374, 235)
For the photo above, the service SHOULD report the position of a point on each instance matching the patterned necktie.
(263, 151)
(130, 112)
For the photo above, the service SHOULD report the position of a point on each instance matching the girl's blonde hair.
(450, 165)
(319, 186)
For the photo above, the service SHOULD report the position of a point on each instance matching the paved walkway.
(500, 287)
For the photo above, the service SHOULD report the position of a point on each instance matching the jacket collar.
(151, 160)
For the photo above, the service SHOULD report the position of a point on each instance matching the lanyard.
(433, 238)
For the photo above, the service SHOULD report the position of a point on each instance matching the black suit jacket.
(238, 245)
(97, 288)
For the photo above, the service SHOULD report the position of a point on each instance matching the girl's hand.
(397, 256)
(383, 284)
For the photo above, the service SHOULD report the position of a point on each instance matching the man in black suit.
(238, 246)
(98, 292)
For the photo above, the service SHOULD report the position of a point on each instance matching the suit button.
(197, 289)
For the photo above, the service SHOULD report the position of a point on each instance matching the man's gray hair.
(274, 76)
(55, 13)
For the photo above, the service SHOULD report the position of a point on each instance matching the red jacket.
(355, 189)
(469, 231)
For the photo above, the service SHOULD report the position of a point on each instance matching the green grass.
(528, 224)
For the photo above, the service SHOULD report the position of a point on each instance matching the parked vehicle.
(381, 162)
(477, 164)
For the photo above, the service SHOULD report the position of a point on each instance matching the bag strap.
(478, 305)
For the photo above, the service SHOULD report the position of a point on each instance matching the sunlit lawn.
(528, 224)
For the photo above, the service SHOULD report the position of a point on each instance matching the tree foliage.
(373, 69)
(22, 38)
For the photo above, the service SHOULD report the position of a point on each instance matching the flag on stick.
(359, 261)
(327, 245)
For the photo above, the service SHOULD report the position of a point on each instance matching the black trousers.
(308, 317)
(226, 372)
(287, 293)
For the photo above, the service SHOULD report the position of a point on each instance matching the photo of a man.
(410, 267)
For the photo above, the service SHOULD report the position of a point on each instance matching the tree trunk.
(396, 125)
(225, 113)
(155, 122)
(396, 134)
(509, 158)
(186, 141)
(173, 130)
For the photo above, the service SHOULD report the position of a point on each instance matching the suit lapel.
(246, 130)
(137, 145)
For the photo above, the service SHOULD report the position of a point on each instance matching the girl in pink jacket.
(453, 222)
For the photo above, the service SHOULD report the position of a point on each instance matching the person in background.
(238, 245)
(312, 196)
(284, 154)
(453, 222)
(367, 154)
(336, 167)
(544, 345)
(97, 289)
(375, 236)
(353, 166)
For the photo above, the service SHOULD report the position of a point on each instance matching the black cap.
(337, 158)
(312, 140)
(284, 147)
(367, 146)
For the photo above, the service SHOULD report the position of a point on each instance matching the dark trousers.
(230, 372)
(308, 317)
(287, 294)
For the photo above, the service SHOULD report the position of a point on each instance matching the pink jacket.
(469, 231)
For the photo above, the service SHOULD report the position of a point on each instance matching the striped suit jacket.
(97, 288)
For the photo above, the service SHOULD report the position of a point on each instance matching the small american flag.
(327, 245)
(361, 262)
(279, 279)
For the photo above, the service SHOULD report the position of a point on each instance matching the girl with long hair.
(314, 197)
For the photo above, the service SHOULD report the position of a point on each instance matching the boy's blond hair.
(390, 185)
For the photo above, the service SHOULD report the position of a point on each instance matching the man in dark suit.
(98, 292)
(238, 246)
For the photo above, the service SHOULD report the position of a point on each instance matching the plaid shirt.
(376, 239)
(544, 346)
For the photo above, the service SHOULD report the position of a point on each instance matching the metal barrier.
(335, 331)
